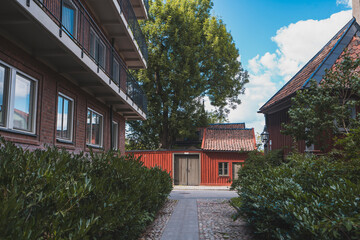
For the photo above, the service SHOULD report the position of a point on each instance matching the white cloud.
(348, 3)
(296, 44)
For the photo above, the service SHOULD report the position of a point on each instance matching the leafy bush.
(306, 198)
(54, 194)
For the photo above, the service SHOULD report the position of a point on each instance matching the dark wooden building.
(276, 108)
(224, 149)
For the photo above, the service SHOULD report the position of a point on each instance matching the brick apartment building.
(64, 71)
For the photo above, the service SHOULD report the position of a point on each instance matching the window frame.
(97, 40)
(60, 94)
(101, 129)
(115, 146)
(10, 83)
(222, 168)
(72, 5)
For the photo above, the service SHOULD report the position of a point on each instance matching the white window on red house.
(65, 112)
(94, 128)
(17, 100)
(115, 135)
(223, 169)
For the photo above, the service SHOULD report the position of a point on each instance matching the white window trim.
(92, 31)
(72, 4)
(72, 117)
(8, 122)
(223, 169)
(117, 136)
(102, 129)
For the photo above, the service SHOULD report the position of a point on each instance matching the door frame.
(185, 154)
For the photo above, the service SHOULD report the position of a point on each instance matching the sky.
(275, 39)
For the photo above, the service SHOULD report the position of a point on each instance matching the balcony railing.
(131, 18)
(87, 35)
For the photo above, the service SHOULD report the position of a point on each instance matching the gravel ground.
(215, 221)
(155, 230)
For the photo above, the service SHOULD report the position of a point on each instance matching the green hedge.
(306, 198)
(53, 194)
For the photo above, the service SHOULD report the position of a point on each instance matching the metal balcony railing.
(131, 18)
(87, 35)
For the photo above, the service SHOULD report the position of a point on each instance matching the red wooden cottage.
(223, 150)
(276, 108)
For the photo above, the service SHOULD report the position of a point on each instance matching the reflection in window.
(3, 79)
(64, 118)
(116, 72)
(115, 135)
(69, 17)
(224, 169)
(94, 128)
(97, 49)
(23, 103)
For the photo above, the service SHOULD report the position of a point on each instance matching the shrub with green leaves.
(307, 198)
(53, 194)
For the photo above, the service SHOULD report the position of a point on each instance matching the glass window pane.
(225, 168)
(115, 135)
(220, 169)
(23, 103)
(59, 117)
(2, 95)
(68, 18)
(92, 44)
(96, 129)
(88, 127)
(116, 72)
(101, 54)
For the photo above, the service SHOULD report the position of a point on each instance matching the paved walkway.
(183, 224)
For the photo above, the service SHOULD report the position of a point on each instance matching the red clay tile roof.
(227, 125)
(229, 139)
(298, 81)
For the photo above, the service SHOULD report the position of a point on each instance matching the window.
(23, 97)
(69, 20)
(17, 100)
(3, 87)
(116, 72)
(64, 125)
(97, 49)
(224, 169)
(94, 128)
(115, 135)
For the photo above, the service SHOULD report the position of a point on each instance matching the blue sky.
(275, 39)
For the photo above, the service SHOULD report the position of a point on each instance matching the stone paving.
(215, 221)
(155, 230)
(198, 215)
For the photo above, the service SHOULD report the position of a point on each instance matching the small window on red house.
(223, 169)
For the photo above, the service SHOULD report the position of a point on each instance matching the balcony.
(118, 19)
(141, 8)
(81, 54)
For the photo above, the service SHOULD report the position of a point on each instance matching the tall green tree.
(191, 55)
(327, 109)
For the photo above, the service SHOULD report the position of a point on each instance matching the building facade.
(277, 107)
(224, 149)
(64, 72)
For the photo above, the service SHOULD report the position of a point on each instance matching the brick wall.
(49, 84)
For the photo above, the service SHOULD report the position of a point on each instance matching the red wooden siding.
(278, 140)
(209, 163)
(210, 166)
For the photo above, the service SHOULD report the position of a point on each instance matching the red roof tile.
(305, 73)
(227, 125)
(229, 139)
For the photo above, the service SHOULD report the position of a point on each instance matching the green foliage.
(324, 110)
(349, 145)
(54, 194)
(191, 55)
(306, 198)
